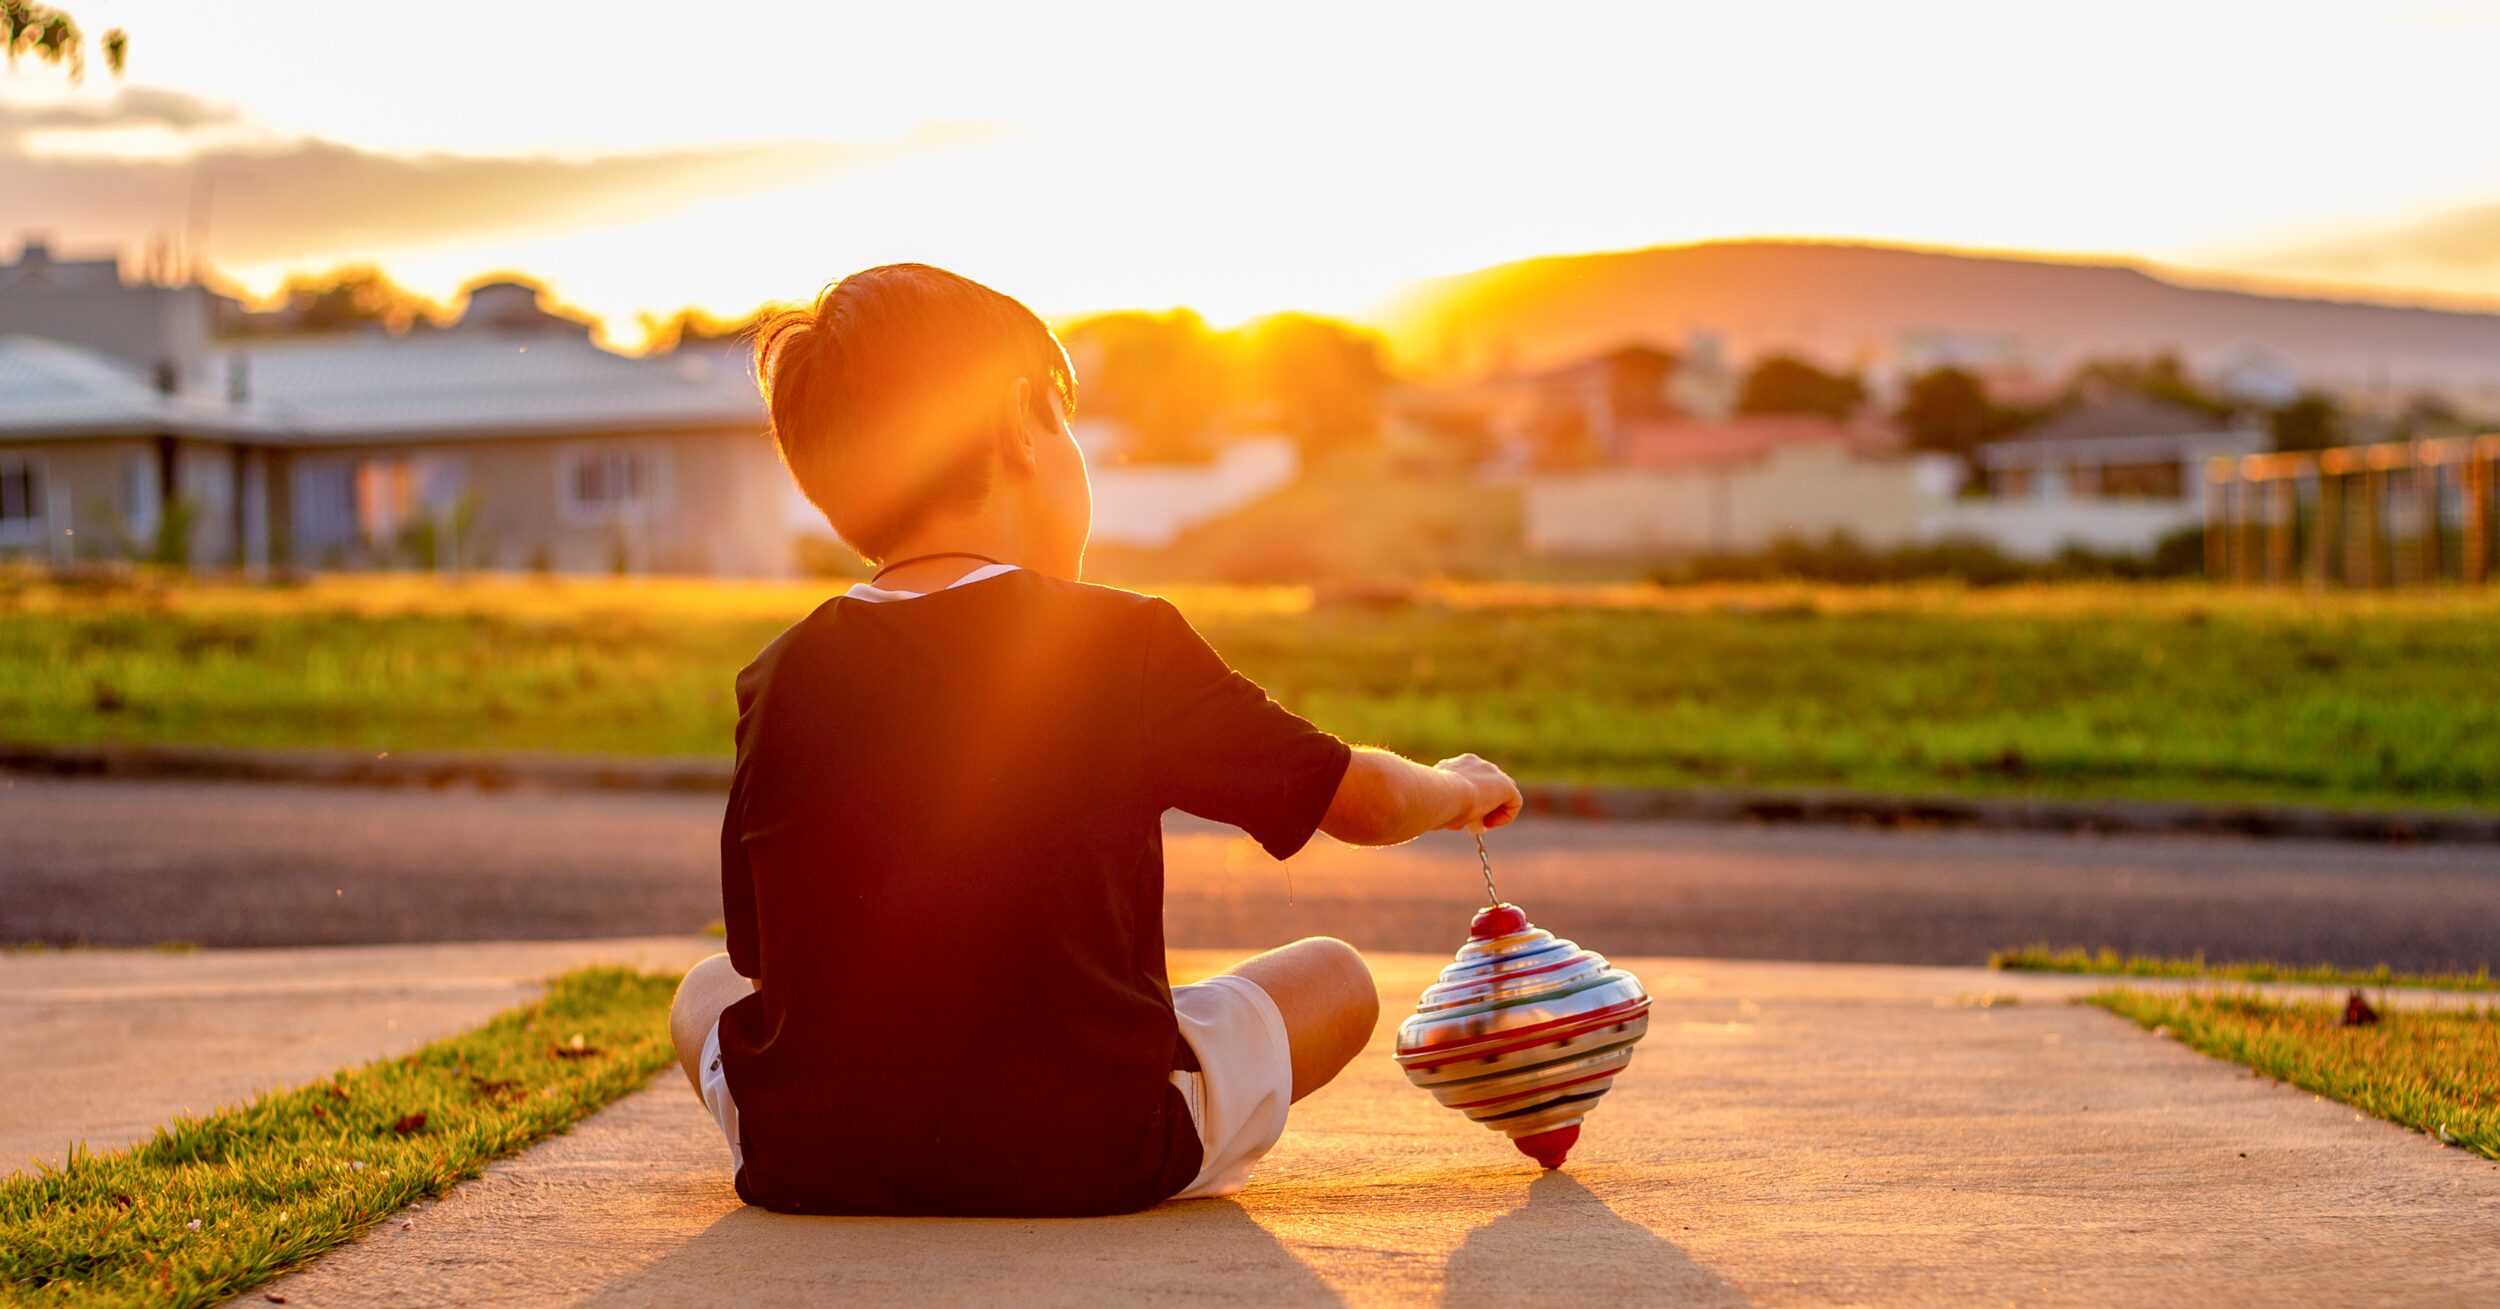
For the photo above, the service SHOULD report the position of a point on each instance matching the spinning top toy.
(1524, 1030)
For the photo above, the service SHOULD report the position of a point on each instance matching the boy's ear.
(1015, 427)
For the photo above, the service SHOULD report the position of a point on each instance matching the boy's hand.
(1491, 799)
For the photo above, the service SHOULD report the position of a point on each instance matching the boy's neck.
(959, 551)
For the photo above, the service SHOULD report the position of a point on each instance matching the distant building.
(162, 331)
(2114, 476)
(2254, 375)
(1928, 349)
(1705, 384)
(1566, 416)
(92, 450)
(2009, 372)
(1735, 486)
(1148, 505)
(507, 440)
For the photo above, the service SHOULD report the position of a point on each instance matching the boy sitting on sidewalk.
(942, 862)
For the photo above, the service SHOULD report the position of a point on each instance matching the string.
(1485, 862)
(941, 554)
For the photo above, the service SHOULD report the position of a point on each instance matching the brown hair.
(884, 394)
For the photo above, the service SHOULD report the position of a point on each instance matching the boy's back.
(942, 864)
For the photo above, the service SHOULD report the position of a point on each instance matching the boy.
(942, 866)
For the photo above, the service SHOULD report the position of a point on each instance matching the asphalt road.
(222, 864)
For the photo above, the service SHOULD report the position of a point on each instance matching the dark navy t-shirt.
(942, 863)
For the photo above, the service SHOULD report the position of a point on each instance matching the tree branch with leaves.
(51, 36)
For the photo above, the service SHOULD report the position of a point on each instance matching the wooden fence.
(2406, 513)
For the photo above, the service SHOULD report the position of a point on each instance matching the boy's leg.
(1326, 995)
(710, 987)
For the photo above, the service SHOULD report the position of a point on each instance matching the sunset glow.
(1241, 159)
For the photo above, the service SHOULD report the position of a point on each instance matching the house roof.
(480, 382)
(359, 387)
(37, 269)
(2123, 429)
(48, 389)
(1686, 442)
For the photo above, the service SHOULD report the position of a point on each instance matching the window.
(142, 500)
(610, 479)
(386, 498)
(324, 495)
(609, 483)
(2161, 481)
(22, 509)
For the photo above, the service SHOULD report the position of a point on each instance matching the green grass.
(2153, 691)
(2437, 1072)
(2108, 962)
(217, 1204)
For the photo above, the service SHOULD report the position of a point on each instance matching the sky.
(1243, 159)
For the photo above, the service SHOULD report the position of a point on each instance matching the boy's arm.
(737, 877)
(737, 898)
(1385, 799)
(1218, 747)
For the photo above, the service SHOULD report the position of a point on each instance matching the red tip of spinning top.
(1500, 920)
(1548, 1148)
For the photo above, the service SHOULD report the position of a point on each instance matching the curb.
(710, 774)
(485, 771)
(2079, 817)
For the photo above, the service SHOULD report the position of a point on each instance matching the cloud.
(2462, 241)
(129, 106)
(276, 200)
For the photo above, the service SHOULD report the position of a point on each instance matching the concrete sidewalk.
(104, 1045)
(1788, 1134)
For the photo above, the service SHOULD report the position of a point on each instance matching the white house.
(1736, 486)
(507, 440)
(2115, 476)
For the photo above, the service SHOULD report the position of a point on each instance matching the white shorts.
(1237, 1097)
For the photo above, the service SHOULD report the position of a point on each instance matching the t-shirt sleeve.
(1217, 746)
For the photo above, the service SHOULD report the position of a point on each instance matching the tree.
(2161, 377)
(693, 327)
(1785, 384)
(2311, 422)
(1317, 379)
(53, 37)
(355, 295)
(1165, 377)
(1637, 377)
(1945, 409)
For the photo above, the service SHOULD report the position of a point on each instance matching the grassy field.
(2437, 1072)
(2138, 691)
(2106, 962)
(217, 1204)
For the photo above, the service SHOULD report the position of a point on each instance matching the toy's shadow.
(1210, 1250)
(1565, 1247)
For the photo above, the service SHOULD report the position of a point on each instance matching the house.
(92, 451)
(506, 440)
(2115, 476)
(85, 302)
(1736, 485)
(1150, 505)
(516, 447)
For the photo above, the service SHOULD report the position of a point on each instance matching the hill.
(1853, 303)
